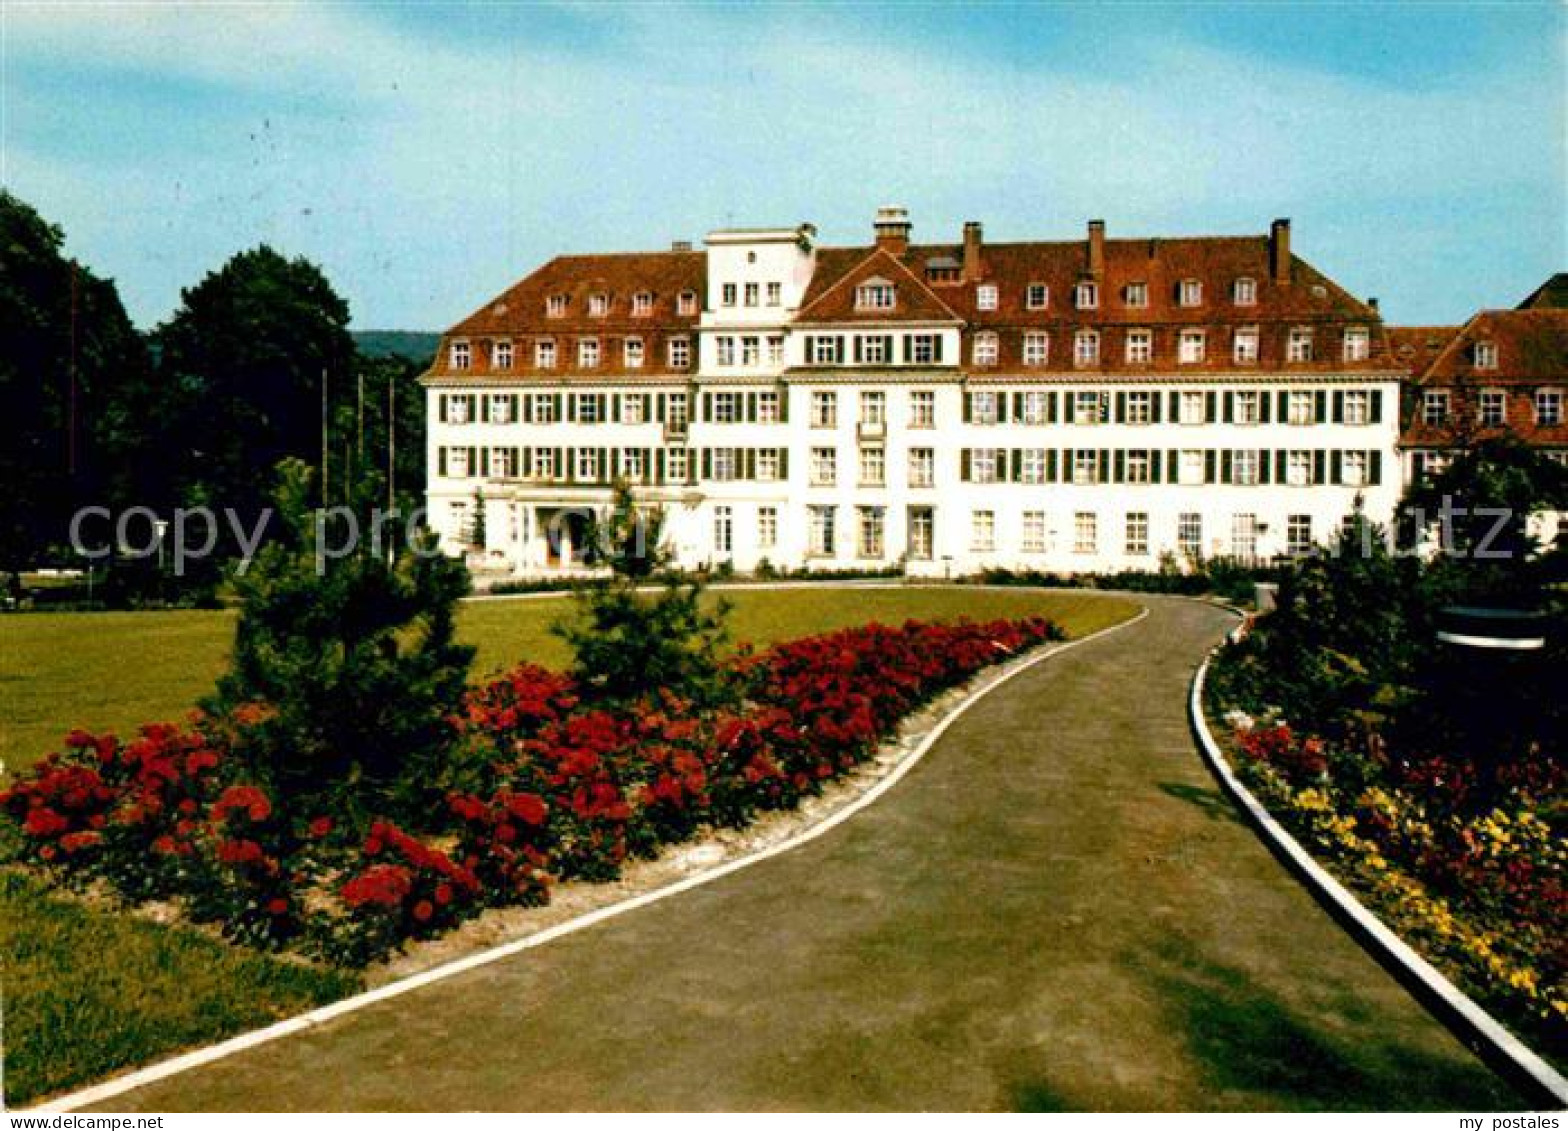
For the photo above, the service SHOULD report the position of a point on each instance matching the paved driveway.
(1055, 910)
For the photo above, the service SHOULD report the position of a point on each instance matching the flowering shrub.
(407, 889)
(557, 788)
(1481, 891)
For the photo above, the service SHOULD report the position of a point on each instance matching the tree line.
(195, 412)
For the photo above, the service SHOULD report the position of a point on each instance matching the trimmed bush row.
(548, 789)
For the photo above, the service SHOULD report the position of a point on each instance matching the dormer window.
(1485, 355)
(598, 304)
(1038, 296)
(1190, 293)
(633, 353)
(986, 350)
(1086, 295)
(555, 306)
(588, 353)
(986, 296)
(1244, 292)
(1358, 343)
(501, 355)
(460, 356)
(544, 354)
(686, 302)
(875, 294)
(642, 303)
(1137, 294)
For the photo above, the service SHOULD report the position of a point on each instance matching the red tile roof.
(1532, 353)
(834, 301)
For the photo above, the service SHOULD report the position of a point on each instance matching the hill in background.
(415, 345)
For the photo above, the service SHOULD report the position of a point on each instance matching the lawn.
(87, 992)
(113, 671)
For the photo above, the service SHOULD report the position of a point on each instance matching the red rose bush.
(554, 788)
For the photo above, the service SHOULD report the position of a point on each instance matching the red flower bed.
(560, 791)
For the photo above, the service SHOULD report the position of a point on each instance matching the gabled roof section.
(1531, 345)
(663, 274)
(1552, 294)
(1415, 348)
(831, 296)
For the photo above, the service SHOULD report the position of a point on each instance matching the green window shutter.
(441, 462)
(1227, 466)
(1105, 407)
(1154, 407)
(441, 408)
(615, 408)
(1374, 467)
(811, 349)
(571, 408)
(1211, 407)
(1336, 467)
(963, 465)
(1375, 407)
(528, 410)
(1265, 467)
(1102, 473)
(784, 405)
(1051, 408)
(859, 349)
(838, 349)
(1339, 406)
(1265, 405)
(1208, 465)
(1120, 472)
(783, 463)
(1156, 462)
(659, 404)
(1016, 465)
(658, 467)
(1320, 407)
(1281, 466)
(751, 463)
(1121, 408)
(1175, 406)
(526, 467)
(1052, 468)
(559, 399)
(1230, 406)
(936, 348)
(707, 407)
(969, 408)
(1319, 464)
(1282, 409)
(484, 410)
(484, 462)
(707, 463)
(751, 408)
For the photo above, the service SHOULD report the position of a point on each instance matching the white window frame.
(922, 408)
(986, 349)
(1037, 347)
(1244, 291)
(1245, 346)
(587, 353)
(986, 296)
(1357, 344)
(1190, 293)
(982, 530)
(1548, 408)
(1033, 539)
(1298, 344)
(632, 353)
(1086, 348)
(1086, 532)
(876, 296)
(1436, 407)
(824, 467)
(460, 355)
(1037, 296)
(824, 409)
(1191, 347)
(922, 467)
(1086, 296)
(1135, 538)
(501, 354)
(1139, 347)
(680, 353)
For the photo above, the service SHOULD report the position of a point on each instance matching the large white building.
(1085, 405)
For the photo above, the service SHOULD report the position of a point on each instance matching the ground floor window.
(822, 530)
(1189, 534)
(872, 524)
(922, 533)
(724, 530)
(1298, 534)
(1244, 535)
(1034, 532)
(767, 527)
(982, 531)
(1137, 540)
(1086, 532)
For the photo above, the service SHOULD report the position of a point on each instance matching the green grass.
(88, 993)
(114, 671)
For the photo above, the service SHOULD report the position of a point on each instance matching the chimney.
(1096, 248)
(892, 228)
(1372, 302)
(680, 245)
(972, 241)
(1279, 251)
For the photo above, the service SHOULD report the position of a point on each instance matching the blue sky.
(428, 155)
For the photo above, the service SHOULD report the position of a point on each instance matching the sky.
(426, 156)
